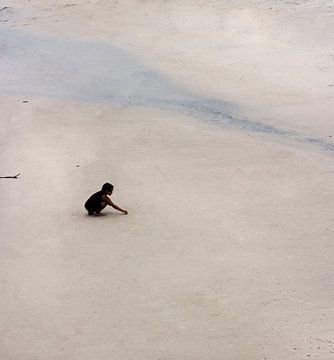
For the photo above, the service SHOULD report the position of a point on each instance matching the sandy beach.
(214, 122)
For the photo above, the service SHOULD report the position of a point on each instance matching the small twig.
(10, 177)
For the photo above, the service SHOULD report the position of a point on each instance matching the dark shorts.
(93, 207)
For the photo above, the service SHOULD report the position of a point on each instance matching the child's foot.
(98, 214)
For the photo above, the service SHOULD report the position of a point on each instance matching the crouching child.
(98, 201)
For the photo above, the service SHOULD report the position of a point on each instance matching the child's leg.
(103, 205)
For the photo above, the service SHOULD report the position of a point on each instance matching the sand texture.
(214, 121)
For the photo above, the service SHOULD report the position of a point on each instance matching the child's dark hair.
(107, 187)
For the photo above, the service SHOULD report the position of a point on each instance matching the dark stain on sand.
(48, 66)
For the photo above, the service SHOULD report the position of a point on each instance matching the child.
(98, 201)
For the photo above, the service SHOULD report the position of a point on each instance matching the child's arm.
(109, 202)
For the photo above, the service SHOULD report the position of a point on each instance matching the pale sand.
(227, 250)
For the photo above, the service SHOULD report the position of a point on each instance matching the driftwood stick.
(10, 177)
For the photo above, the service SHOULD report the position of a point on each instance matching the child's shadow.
(103, 215)
(108, 214)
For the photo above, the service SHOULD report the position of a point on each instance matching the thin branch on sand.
(10, 177)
